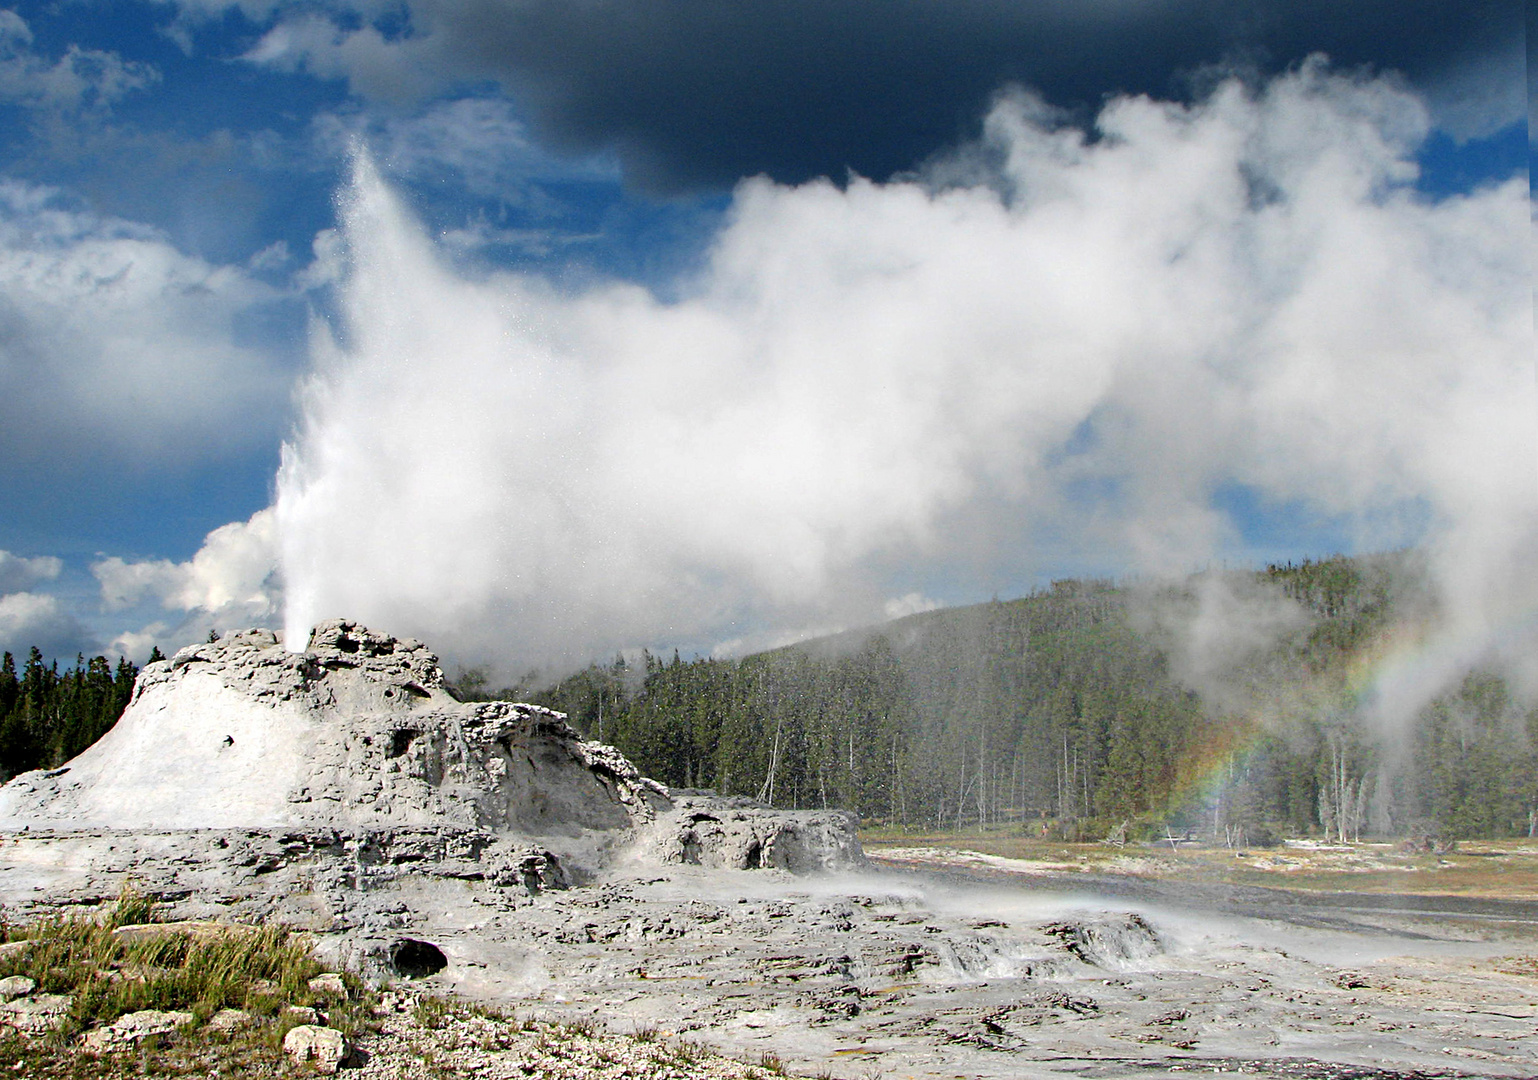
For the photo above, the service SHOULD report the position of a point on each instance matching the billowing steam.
(1048, 349)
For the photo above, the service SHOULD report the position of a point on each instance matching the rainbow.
(1385, 681)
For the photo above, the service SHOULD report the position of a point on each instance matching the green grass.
(261, 970)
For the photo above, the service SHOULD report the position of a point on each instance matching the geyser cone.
(358, 731)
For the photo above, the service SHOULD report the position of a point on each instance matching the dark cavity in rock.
(413, 959)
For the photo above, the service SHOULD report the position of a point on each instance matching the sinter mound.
(358, 736)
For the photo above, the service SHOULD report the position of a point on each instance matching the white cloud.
(1475, 98)
(17, 572)
(230, 583)
(30, 619)
(275, 256)
(375, 66)
(80, 78)
(912, 603)
(1076, 346)
(231, 575)
(117, 348)
(137, 645)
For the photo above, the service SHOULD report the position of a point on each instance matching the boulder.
(228, 1021)
(301, 1014)
(329, 983)
(325, 1048)
(36, 1015)
(130, 1029)
(15, 986)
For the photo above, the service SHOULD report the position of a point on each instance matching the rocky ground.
(423, 1040)
(884, 973)
(485, 853)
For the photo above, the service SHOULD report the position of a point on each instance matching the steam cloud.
(1046, 347)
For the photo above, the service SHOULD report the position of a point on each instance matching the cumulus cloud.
(81, 78)
(230, 576)
(697, 93)
(116, 349)
(231, 582)
(30, 619)
(17, 572)
(139, 645)
(373, 65)
(1051, 340)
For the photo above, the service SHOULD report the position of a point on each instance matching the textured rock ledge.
(741, 834)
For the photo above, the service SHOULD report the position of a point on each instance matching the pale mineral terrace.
(547, 876)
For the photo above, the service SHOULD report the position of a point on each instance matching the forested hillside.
(1236, 704)
(1086, 708)
(48, 716)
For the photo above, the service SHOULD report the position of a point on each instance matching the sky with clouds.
(544, 328)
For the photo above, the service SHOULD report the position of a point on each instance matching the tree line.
(47, 716)
(1064, 712)
(1068, 712)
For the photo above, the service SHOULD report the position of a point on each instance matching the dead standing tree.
(1344, 794)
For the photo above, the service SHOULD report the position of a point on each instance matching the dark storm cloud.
(701, 92)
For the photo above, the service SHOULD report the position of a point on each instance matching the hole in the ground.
(401, 741)
(755, 857)
(415, 959)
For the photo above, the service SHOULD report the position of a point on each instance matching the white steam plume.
(1065, 344)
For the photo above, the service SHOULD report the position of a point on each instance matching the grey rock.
(329, 983)
(1110, 941)
(355, 753)
(228, 1021)
(15, 986)
(36, 1015)
(740, 834)
(358, 732)
(196, 930)
(133, 1028)
(325, 1048)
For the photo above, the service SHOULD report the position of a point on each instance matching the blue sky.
(170, 177)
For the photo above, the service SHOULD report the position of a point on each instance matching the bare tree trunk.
(766, 793)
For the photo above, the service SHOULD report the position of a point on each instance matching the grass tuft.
(261, 970)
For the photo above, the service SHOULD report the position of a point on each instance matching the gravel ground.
(416, 1042)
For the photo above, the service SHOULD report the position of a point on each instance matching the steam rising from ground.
(1046, 345)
